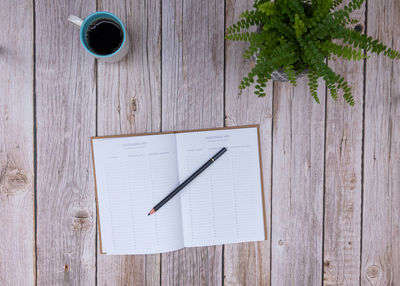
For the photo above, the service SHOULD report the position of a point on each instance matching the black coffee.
(104, 36)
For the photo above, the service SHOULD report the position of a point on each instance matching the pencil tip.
(152, 211)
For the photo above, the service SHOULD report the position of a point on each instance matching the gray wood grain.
(192, 97)
(129, 101)
(17, 217)
(297, 185)
(247, 263)
(381, 202)
(343, 154)
(65, 105)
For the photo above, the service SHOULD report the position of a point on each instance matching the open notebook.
(224, 204)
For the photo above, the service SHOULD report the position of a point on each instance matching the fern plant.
(298, 35)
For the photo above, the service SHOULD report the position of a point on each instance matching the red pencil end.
(152, 211)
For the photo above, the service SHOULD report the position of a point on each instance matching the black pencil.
(187, 181)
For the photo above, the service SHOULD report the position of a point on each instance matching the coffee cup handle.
(76, 20)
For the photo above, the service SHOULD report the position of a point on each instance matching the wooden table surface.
(331, 172)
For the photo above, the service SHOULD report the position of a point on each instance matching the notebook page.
(132, 175)
(224, 203)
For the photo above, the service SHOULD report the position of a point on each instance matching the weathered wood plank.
(129, 101)
(297, 185)
(381, 203)
(343, 153)
(17, 218)
(247, 263)
(192, 97)
(66, 101)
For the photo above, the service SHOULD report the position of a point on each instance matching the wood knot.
(132, 110)
(229, 120)
(133, 104)
(17, 179)
(13, 181)
(327, 263)
(280, 242)
(353, 182)
(66, 268)
(372, 271)
(350, 181)
(81, 214)
(81, 221)
(350, 207)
